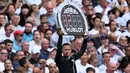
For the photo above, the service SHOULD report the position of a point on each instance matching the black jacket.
(67, 64)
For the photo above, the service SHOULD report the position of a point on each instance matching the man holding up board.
(65, 59)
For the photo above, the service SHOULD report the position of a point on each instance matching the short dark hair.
(96, 18)
(29, 23)
(104, 53)
(22, 61)
(90, 69)
(98, 14)
(7, 41)
(115, 9)
(43, 15)
(6, 25)
(109, 24)
(65, 44)
(48, 30)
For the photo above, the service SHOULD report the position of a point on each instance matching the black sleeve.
(59, 50)
(81, 52)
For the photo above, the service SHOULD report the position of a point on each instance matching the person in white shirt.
(51, 56)
(103, 8)
(127, 33)
(93, 60)
(8, 33)
(15, 22)
(113, 29)
(123, 43)
(105, 42)
(3, 57)
(82, 65)
(106, 60)
(36, 42)
(2, 23)
(113, 53)
(78, 44)
(95, 31)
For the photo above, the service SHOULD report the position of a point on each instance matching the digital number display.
(72, 20)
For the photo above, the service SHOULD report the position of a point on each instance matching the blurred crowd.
(29, 37)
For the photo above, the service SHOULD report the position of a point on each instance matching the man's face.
(20, 55)
(105, 41)
(25, 46)
(9, 30)
(2, 19)
(113, 26)
(45, 44)
(103, 31)
(94, 62)
(106, 58)
(112, 52)
(16, 20)
(78, 44)
(91, 51)
(3, 55)
(97, 22)
(127, 51)
(123, 41)
(112, 68)
(49, 8)
(44, 19)
(66, 50)
(9, 46)
(28, 27)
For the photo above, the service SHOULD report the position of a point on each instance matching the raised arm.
(82, 50)
(59, 50)
(117, 49)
